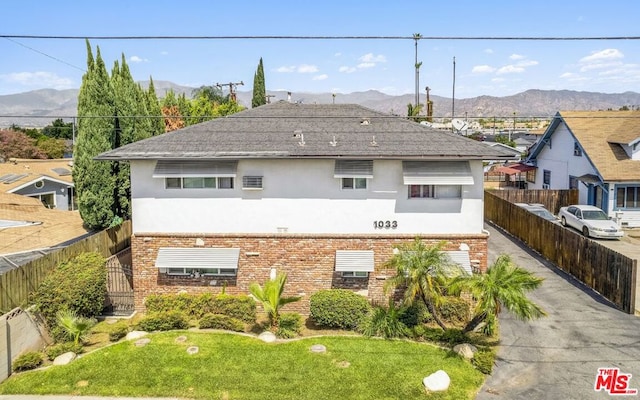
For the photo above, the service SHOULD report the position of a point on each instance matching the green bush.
(219, 321)
(27, 361)
(163, 321)
(338, 308)
(453, 337)
(454, 309)
(483, 360)
(54, 351)
(289, 326)
(196, 306)
(385, 322)
(414, 315)
(117, 332)
(79, 285)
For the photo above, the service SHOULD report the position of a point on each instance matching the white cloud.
(497, 80)
(527, 63)
(39, 78)
(510, 69)
(347, 70)
(337, 54)
(164, 53)
(601, 65)
(286, 69)
(320, 77)
(607, 54)
(365, 65)
(488, 51)
(371, 58)
(482, 69)
(516, 57)
(136, 59)
(307, 69)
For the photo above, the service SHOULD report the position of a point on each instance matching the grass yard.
(230, 366)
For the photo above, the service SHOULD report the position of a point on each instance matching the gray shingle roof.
(295, 130)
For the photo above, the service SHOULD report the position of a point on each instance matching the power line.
(44, 54)
(285, 37)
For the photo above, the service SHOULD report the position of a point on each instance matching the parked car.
(591, 221)
(539, 210)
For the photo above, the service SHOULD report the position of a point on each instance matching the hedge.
(197, 306)
(338, 308)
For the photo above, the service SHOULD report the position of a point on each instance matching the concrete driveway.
(558, 357)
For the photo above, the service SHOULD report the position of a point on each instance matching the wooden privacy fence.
(608, 272)
(552, 199)
(17, 285)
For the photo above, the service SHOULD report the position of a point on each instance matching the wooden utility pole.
(232, 88)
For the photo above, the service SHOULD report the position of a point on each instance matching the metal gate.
(119, 299)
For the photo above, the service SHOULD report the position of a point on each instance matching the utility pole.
(453, 96)
(429, 106)
(232, 88)
(269, 96)
(416, 37)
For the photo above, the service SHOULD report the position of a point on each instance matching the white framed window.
(355, 274)
(422, 191)
(200, 271)
(211, 182)
(251, 182)
(354, 183)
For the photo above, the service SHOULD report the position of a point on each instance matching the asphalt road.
(558, 357)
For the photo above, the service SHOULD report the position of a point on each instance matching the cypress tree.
(153, 109)
(259, 89)
(93, 180)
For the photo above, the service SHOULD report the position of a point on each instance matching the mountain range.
(39, 108)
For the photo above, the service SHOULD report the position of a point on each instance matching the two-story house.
(322, 192)
(596, 152)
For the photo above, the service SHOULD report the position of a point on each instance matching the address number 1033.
(385, 224)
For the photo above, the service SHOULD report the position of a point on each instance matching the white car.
(591, 221)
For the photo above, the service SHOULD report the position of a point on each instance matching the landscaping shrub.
(453, 337)
(289, 326)
(219, 321)
(117, 332)
(483, 360)
(196, 306)
(454, 310)
(385, 322)
(164, 321)
(54, 351)
(414, 315)
(338, 308)
(27, 361)
(78, 285)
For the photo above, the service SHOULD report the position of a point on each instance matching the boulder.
(437, 382)
(135, 335)
(268, 337)
(65, 358)
(318, 348)
(466, 350)
(193, 350)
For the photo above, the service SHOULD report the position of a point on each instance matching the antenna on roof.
(333, 142)
(373, 141)
(298, 134)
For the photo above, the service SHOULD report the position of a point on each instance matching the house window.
(546, 179)
(251, 182)
(199, 183)
(196, 272)
(628, 197)
(421, 191)
(355, 274)
(577, 151)
(531, 175)
(354, 183)
(573, 182)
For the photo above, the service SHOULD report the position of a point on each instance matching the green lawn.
(239, 367)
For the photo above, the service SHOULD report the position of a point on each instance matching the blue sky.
(483, 67)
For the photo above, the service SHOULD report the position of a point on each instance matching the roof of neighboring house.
(600, 134)
(26, 225)
(293, 130)
(16, 173)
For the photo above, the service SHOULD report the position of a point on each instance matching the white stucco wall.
(301, 196)
(559, 159)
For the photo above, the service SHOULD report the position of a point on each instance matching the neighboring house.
(321, 192)
(596, 152)
(49, 181)
(28, 230)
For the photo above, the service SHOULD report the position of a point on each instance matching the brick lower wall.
(309, 263)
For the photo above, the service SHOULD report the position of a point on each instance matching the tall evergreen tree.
(93, 180)
(259, 89)
(153, 109)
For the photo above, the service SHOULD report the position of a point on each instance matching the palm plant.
(76, 327)
(385, 322)
(504, 285)
(424, 272)
(270, 295)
